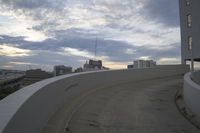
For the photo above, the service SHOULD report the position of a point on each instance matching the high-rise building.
(190, 29)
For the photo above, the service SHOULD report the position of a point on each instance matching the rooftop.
(136, 100)
(142, 107)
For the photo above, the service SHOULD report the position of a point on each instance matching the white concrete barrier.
(196, 77)
(29, 109)
(191, 94)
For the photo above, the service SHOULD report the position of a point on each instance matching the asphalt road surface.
(135, 107)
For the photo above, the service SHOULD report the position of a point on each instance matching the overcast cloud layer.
(44, 33)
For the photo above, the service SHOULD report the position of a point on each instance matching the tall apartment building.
(190, 29)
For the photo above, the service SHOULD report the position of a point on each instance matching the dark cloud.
(160, 11)
(115, 50)
(43, 59)
(32, 4)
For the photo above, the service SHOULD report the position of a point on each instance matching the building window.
(189, 20)
(189, 43)
(188, 2)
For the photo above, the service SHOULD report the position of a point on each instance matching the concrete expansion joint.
(184, 110)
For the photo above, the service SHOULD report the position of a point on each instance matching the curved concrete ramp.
(135, 107)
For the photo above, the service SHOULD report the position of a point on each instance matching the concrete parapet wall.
(191, 94)
(196, 77)
(29, 109)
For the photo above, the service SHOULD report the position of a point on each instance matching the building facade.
(190, 29)
(61, 70)
(80, 69)
(144, 63)
(130, 66)
(94, 65)
(33, 76)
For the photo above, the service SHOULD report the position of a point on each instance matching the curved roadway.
(135, 107)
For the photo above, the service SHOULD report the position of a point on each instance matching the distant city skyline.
(42, 34)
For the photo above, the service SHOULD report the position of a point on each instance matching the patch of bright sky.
(10, 51)
(81, 53)
(166, 60)
(129, 51)
(13, 26)
(76, 52)
(20, 63)
(144, 58)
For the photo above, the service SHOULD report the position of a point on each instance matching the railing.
(29, 109)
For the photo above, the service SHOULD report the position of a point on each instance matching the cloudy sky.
(44, 33)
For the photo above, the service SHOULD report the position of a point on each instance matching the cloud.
(20, 63)
(76, 52)
(48, 16)
(20, 27)
(32, 4)
(144, 58)
(75, 49)
(162, 11)
(172, 60)
(10, 51)
(67, 30)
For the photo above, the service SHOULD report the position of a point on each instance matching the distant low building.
(142, 64)
(36, 75)
(130, 66)
(61, 70)
(94, 65)
(5, 72)
(9, 78)
(10, 81)
(80, 69)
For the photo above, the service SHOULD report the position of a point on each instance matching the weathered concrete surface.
(30, 109)
(136, 107)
